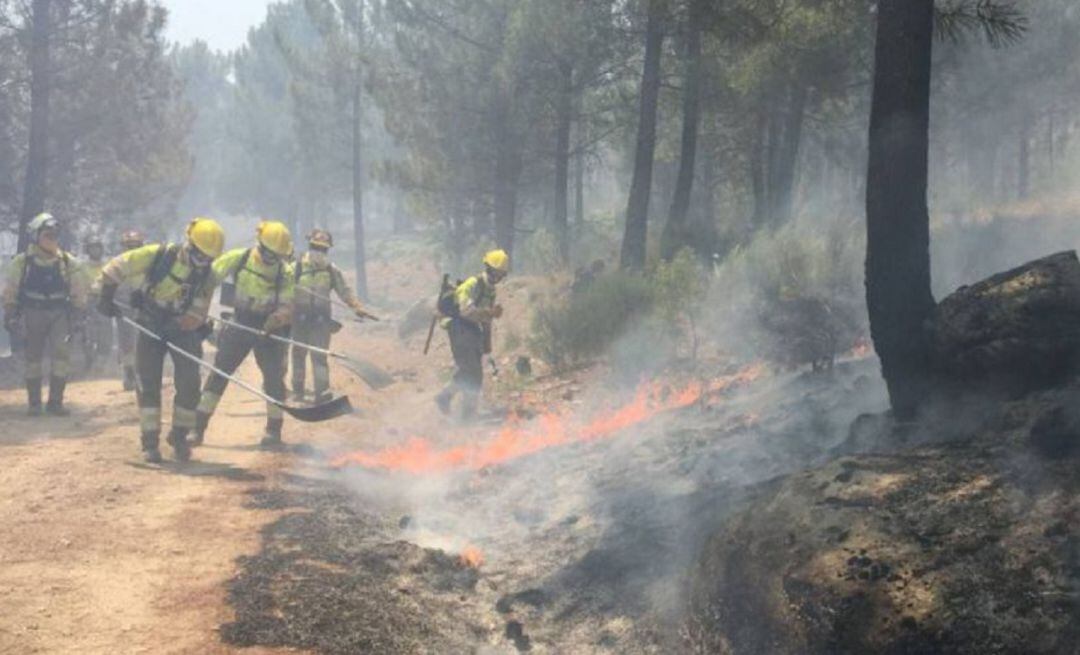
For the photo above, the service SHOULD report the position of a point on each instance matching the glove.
(276, 321)
(11, 320)
(106, 304)
(189, 322)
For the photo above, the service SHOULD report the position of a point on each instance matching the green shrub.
(588, 322)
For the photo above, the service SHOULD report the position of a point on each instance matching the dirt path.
(101, 553)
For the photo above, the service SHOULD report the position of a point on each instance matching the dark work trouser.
(125, 344)
(313, 330)
(99, 336)
(467, 346)
(47, 333)
(234, 345)
(149, 364)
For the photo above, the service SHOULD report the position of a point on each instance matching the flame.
(555, 428)
(471, 557)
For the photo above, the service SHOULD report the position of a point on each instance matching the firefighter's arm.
(225, 265)
(195, 317)
(340, 286)
(466, 296)
(129, 265)
(282, 316)
(79, 284)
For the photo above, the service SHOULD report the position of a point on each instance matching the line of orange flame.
(418, 455)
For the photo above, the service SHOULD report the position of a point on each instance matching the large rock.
(1016, 332)
(955, 550)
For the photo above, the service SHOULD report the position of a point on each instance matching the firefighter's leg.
(320, 367)
(36, 338)
(233, 346)
(125, 341)
(300, 332)
(470, 371)
(270, 356)
(149, 362)
(60, 354)
(186, 400)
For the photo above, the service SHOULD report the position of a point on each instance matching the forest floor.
(563, 532)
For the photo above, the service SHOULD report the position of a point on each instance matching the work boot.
(129, 378)
(151, 454)
(272, 438)
(55, 406)
(443, 401)
(202, 421)
(178, 440)
(33, 396)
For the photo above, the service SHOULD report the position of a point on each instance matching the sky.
(221, 23)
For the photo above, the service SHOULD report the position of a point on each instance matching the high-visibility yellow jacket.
(317, 278)
(92, 274)
(260, 288)
(52, 280)
(181, 290)
(472, 295)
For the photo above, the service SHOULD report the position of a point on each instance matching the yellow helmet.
(275, 237)
(206, 235)
(498, 260)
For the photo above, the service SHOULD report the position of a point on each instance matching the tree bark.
(787, 156)
(35, 186)
(508, 163)
(637, 210)
(898, 292)
(757, 162)
(676, 235)
(360, 257)
(562, 160)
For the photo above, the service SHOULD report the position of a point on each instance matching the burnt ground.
(585, 547)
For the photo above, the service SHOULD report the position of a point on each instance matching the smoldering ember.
(747, 327)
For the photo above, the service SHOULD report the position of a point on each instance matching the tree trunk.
(898, 293)
(360, 256)
(35, 186)
(675, 234)
(637, 210)
(508, 163)
(783, 178)
(562, 161)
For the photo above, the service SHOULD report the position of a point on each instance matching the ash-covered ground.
(582, 548)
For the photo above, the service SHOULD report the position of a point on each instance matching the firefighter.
(316, 279)
(258, 283)
(44, 296)
(125, 334)
(97, 332)
(469, 327)
(174, 287)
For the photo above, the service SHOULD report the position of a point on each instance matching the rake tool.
(331, 409)
(374, 376)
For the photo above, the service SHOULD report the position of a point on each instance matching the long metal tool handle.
(332, 300)
(281, 339)
(203, 363)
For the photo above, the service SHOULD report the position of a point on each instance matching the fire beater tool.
(361, 316)
(374, 376)
(331, 409)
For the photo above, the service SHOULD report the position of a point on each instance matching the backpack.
(65, 272)
(447, 304)
(161, 268)
(228, 289)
